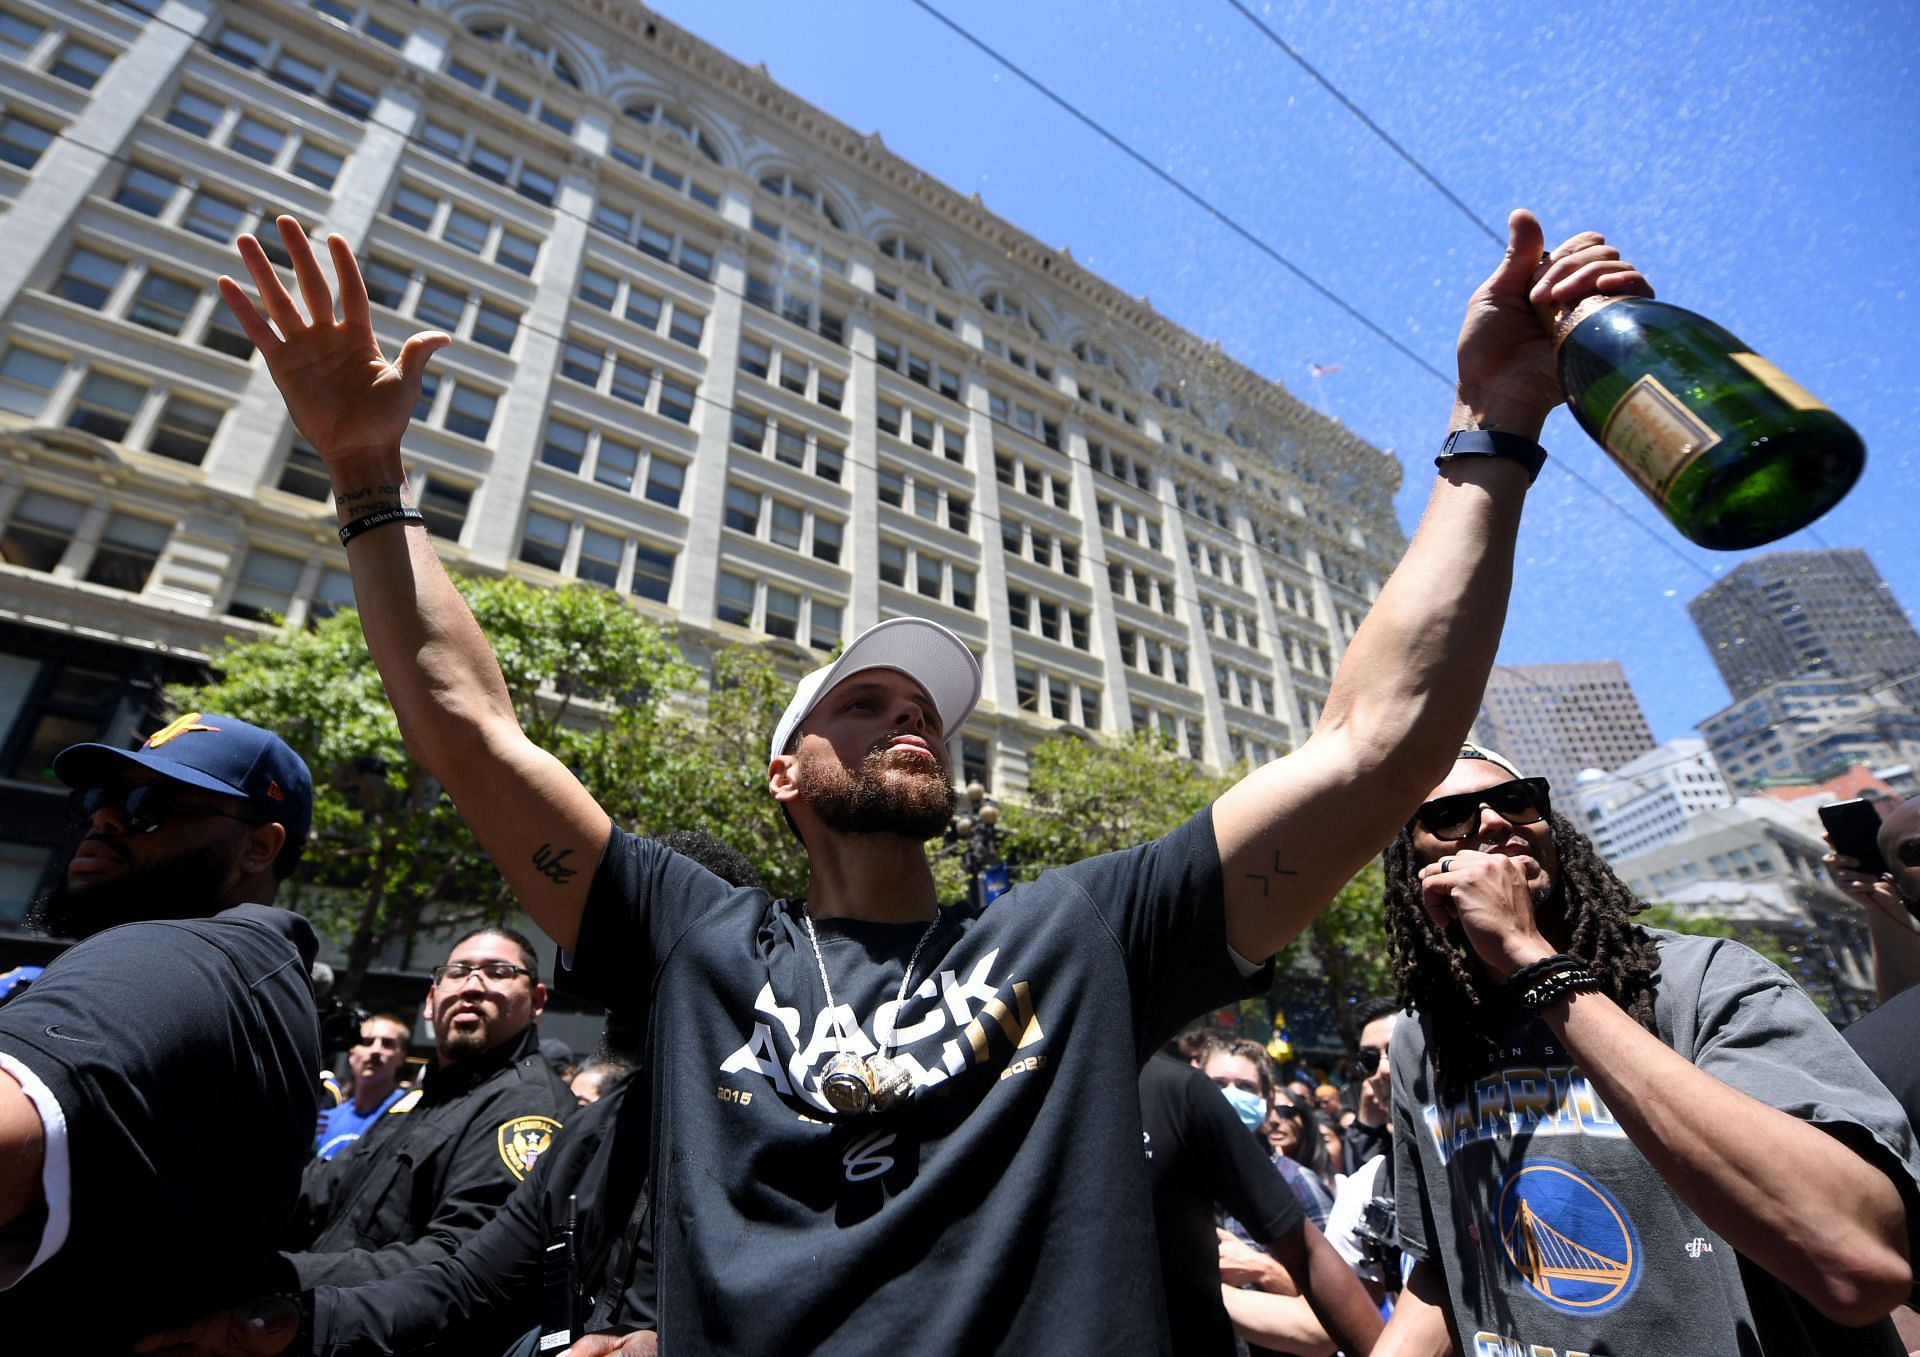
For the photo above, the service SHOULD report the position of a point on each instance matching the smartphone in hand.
(1853, 827)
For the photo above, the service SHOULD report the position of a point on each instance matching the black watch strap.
(1492, 443)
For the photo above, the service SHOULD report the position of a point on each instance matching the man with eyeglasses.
(157, 1093)
(1614, 1138)
(446, 1156)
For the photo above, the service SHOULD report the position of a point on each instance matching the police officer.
(156, 1082)
(428, 1174)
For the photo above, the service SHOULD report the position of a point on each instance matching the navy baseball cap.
(214, 753)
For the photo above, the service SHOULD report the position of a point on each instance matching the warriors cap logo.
(1567, 1238)
(189, 722)
(523, 1140)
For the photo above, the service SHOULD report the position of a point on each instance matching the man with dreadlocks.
(1614, 1139)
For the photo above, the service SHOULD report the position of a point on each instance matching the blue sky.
(1755, 158)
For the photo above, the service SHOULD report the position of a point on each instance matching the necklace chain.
(899, 998)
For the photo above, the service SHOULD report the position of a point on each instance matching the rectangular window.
(25, 378)
(652, 573)
(790, 446)
(18, 36)
(185, 430)
(630, 381)
(466, 230)
(195, 113)
(242, 49)
(386, 282)
(440, 305)
(927, 574)
(787, 525)
(128, 551)
(216, 218)
(598, 289)
(893, 487)
(581, 364)
(828, 459)
(351, 99)
(676, 401)
(445, 504)
(599, 561)
(893, 563)
(887, 415)
(793, 374)
(954, 443)
(666, 479)
(303, 473)
(330, 595)
(755, 357)
(1059, 698)
(495, 328)
(742, 512)
(832, 391)
(89, 278)
(959, 512)
(142, 190)
(826, 539)
(825, 629)
(106, 406)
(749, 430)
(42, 526)
(545, 541)
(257, 140)
(734, 602)
(783, 613)
(686, 327)
(1026, 687)
(264, 591)
(519, 253)
(470, 412)
(963, 588)
(565, 446)
(616, 464)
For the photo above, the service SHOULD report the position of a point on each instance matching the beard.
(881, 798)
(183, 886)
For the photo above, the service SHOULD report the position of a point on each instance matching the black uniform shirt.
(493, 1290)
(430, 1172)
(182, 1054)
(1200, 1155)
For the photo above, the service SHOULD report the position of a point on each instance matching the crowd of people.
(861, 1122)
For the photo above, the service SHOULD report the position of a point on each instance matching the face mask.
(1251, 1108)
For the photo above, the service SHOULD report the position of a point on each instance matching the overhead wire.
(206, 42)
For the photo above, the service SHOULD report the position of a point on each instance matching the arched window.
(665, 115)
(783, 185)
(1006, 304)
(896, 246)
(533, 43)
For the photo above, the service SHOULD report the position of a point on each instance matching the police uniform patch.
(523, 1140)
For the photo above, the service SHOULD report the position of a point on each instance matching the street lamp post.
(973, 832)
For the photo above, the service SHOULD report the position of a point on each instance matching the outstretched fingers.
(306, 271)
(274, 297)
(354, 308)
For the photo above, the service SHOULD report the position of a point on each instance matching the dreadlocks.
(1431, 975)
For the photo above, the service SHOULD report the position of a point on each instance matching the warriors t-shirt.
(1002, 1206)
(1555, 1234)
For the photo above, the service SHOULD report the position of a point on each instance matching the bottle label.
(1654, 436)
(1778, 382)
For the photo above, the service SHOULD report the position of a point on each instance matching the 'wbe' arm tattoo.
(552, 865)
(1278, 870)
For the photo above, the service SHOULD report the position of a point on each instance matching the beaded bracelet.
(349, 531)
(1558, 984)
(1535, 971)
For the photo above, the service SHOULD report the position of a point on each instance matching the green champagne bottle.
(1734, 451)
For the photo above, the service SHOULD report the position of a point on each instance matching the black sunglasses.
(143, 807)
(1908, 853)
(1370, 1059)
(1519, 802)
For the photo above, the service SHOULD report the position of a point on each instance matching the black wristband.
(349, 531)
(1536, 971)
(1557, 985)
(1492, 443)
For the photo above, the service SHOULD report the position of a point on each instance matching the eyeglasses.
(1522, 801)
(1287, 1110)
(1370, 1058)
(144, 807)
(500, 972)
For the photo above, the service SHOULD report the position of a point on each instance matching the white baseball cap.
(924, 651)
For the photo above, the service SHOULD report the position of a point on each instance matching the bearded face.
(181, 885)
(897, 789)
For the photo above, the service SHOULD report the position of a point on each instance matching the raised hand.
(262, 1328)
(345, 397)
(1508, 375)
(1489, 896)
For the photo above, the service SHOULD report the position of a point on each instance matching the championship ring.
(846, 1084)
(890, 1081)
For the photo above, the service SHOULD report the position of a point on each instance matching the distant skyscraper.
(1808, 730)
(1556, 719)
(1648, 800)
(1796, 614)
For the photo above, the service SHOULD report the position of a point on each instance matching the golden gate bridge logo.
(1567, 1238)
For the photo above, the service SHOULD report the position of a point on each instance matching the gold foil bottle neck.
(1564, 320)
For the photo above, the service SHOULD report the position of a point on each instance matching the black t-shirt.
(1004, 1205)
(1884, 1041)
(1199, 1155)
(182, 1054)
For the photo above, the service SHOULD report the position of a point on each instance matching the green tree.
(1086, 797)
(1347, 944)
(390, 854)
(1660, 914)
